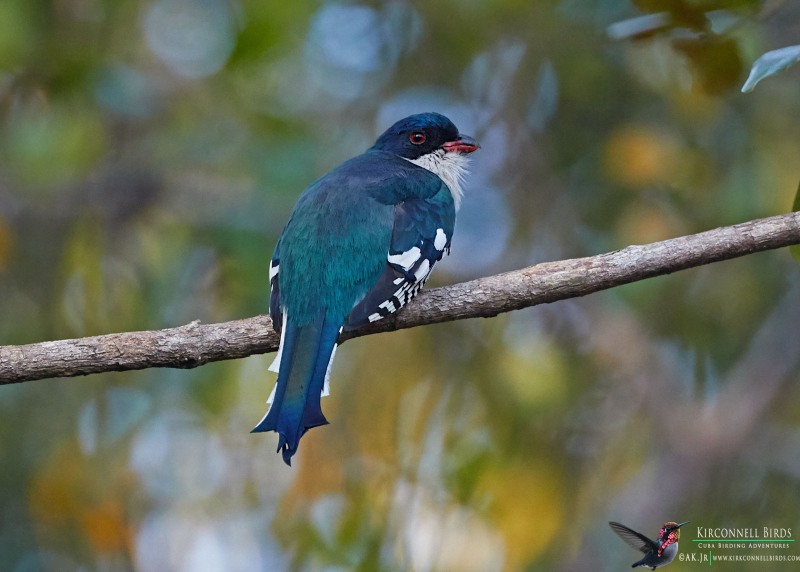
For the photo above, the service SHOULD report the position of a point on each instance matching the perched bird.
(657, 553)
(360, 243)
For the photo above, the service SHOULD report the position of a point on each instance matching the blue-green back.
(334, 247)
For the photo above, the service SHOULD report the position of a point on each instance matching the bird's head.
(423, 134)
(671, 530)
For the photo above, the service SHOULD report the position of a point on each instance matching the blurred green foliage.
(150, 153)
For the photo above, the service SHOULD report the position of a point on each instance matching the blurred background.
(150, 153)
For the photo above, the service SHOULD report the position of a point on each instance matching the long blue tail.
(296, 407)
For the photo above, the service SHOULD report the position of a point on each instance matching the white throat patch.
(450, 167)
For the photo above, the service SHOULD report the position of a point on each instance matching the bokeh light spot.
(194, 39)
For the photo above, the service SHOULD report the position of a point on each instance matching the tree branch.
(195, 344)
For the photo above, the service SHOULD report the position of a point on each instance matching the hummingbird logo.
(657, 553)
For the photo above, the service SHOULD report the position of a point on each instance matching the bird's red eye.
(417, 138)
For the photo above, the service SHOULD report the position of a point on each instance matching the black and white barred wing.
(420, 237)
(275, 311)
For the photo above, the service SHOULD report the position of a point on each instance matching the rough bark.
(195, 344)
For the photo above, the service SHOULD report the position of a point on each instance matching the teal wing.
(421, 234)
